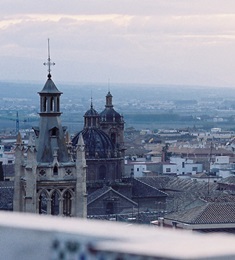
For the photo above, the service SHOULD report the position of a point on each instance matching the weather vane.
(49, 63)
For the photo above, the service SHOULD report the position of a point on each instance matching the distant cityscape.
(144, 106)
(174, 155)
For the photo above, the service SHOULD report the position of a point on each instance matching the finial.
(49, 63)
(91, 100)
(108, 85)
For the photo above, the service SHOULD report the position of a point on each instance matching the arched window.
(52, 104)
(55, 203)
(113, 138)
(43, 203)
(67, 204)
(54, 131)
(102, 172)
(55, 170)
(44, 104)
(58, 104)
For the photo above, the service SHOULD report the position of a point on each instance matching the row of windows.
(50, 104)
(194, 169)
(51, 205)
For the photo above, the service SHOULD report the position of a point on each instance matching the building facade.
(181, 166)
(103, 136)
(48, 180)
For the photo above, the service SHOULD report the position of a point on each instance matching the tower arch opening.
(55, 203)
(43, 199)
(67, 203)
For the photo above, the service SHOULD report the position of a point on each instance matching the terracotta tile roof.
(179, 184)
(141, 189)
(158, 182)
(211, 213)
(200, 175)
(101, 192)
(200, 151)
(96, 194)
(228, 180)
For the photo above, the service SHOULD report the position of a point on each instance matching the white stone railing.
(25, 236)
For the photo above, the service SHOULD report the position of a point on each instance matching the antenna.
(49, 63)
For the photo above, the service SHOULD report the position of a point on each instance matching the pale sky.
(184, 42)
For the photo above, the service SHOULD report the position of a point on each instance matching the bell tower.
(48, 180)
(112, 123)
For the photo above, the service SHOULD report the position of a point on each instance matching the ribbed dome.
(97, 143)
(91, 112)
(110, 115)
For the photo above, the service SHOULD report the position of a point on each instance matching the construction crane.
(17, 123)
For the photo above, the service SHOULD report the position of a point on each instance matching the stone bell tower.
(48, 180)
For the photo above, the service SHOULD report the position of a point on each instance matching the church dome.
(91, 118)
(97, 143)
(110, 115)
(91, 112)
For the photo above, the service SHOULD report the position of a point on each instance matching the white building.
(222, 167)
(181, 166)
(6, 157)
(141, 168)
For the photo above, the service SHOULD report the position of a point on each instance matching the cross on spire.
(49, 63)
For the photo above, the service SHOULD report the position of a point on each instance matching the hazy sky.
(126, 41)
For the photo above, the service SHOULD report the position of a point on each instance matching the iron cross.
(49, 63)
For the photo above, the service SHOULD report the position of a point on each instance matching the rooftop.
(210, 213)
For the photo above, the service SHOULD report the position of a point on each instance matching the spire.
(80, 143)
(19, 139)
(49, 63)
(31, 142)
(49, 95)
(50, 135)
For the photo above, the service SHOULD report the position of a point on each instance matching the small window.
(168, 169)
(55, 170)
(194, 169)
(138, 169)
(54, 131)
(44, 104)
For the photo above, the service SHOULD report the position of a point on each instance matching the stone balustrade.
(26, 236)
